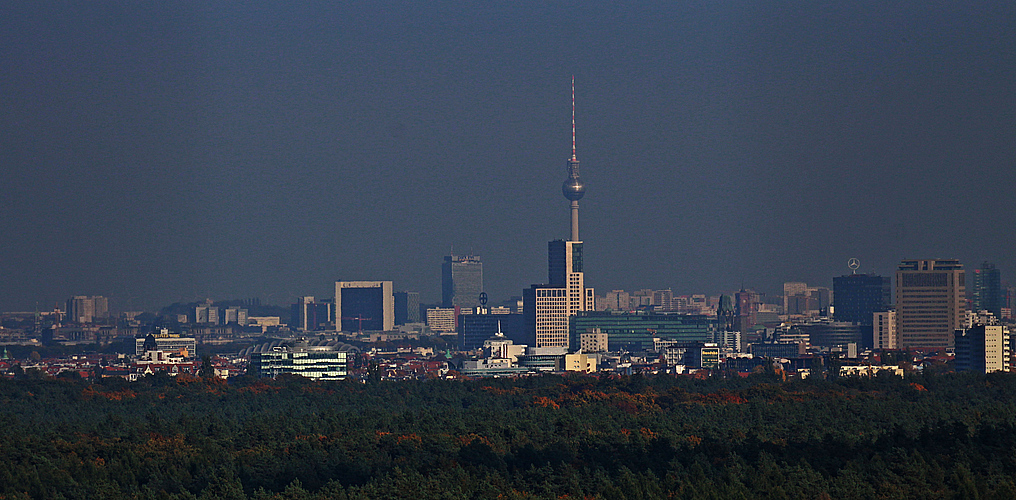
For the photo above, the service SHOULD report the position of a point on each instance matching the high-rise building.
(441, 320)
(988, 289)
(238, 315)
(793, 289)
(545, 313)
(364, 305)
(858, 297)
(664, 300)
(461, 281)
(308, 314)
(745, 310)
(615, 300)
(87, 309)
(565, 271)
(930, 302)
(884, 331)
(983, 348)
(407, 307)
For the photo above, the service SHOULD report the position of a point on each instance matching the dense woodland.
(928, 436)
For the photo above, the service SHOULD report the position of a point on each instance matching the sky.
(156, 152)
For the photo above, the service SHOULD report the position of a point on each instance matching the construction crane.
(360, 320)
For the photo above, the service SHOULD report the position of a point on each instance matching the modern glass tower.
(461, 281)
(988, 290)
(858, 297)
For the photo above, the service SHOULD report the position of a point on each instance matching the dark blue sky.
(155, 152)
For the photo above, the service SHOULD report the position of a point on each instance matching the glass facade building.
(634, 331)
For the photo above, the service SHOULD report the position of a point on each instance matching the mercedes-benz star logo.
(853, 263)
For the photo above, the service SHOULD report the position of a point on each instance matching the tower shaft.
(575, 221)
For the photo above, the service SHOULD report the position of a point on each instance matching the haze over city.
(163, 153)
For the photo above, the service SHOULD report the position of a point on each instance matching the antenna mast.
(573, 117)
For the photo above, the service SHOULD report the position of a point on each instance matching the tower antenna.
(573, 117)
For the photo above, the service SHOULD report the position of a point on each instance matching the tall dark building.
(746, 310)
(857, 298)
(407, 307)
(988, 289)
(478, 327)
(461, 281)
(309, 314)
(364, 305)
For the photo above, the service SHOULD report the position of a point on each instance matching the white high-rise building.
(884, 333)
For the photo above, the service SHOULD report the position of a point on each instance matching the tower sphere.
(573, 189)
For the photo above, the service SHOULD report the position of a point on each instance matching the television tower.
(573, 187)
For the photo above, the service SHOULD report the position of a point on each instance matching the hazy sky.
(156, 152)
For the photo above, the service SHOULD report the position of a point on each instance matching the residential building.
(87, 309)
(885, 334)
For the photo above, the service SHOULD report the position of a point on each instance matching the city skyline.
(155, 154)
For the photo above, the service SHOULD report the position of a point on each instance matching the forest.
(927, 435)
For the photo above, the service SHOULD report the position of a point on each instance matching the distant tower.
(988, 290)
(461, 281)
(573, 187)
(930, 302)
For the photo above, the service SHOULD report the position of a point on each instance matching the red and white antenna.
(573, 117)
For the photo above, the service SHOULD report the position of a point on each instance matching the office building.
(442, 320)
(364, 306)
(987, 292)
(476, 328)
(635, 331)
(173, 343)
(311, 315)
(858, 297)
(565, 270)
(87, 309)
(313, 364)
(407, 307)
(461, 281)
(207, 314)
(793, 289)
(983, 348)
(825, 333)
(235, 315)
(930, 302)
(594, 341)
(884, 331)
(545, 313)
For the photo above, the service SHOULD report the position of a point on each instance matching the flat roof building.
(364, 306)
(930, 302)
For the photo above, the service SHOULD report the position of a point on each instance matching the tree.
(206, 371)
